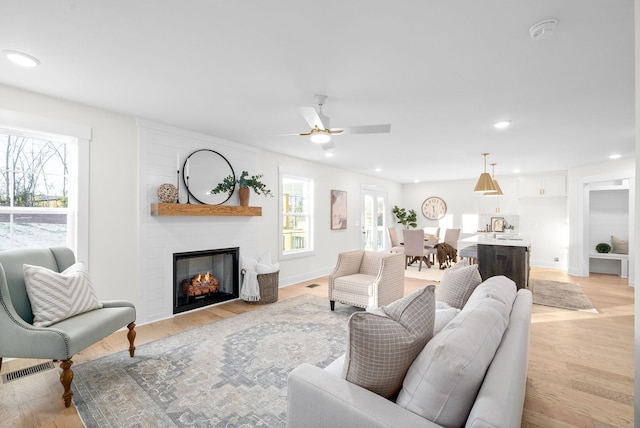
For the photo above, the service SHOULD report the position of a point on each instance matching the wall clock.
(434, 208)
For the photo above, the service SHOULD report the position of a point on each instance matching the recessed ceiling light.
(516, 171)
(416, 181)
(329, 154)
(615, 156)
(502, 124)
(21, 58)
(378, 169)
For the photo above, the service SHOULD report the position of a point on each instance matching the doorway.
(373, 219)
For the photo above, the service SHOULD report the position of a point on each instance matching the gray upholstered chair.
(366, 279)
(414, 247)
(396, 247)
(63, 339)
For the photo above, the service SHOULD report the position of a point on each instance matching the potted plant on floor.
(245, 184)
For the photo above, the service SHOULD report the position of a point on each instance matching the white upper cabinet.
(542, 186)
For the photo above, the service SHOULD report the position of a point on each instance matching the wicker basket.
(268, 283)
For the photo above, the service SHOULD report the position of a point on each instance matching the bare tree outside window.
(33, 191)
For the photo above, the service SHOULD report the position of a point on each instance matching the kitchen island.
(501, 254)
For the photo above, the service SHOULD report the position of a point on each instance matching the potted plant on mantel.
(245, 184)
(406, 218)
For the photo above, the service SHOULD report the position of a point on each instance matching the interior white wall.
(113, 190)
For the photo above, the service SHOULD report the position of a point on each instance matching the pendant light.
(485, 182)
(498, 191)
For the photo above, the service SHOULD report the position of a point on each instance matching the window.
(297, 215)
(469, 223)
(38, 192)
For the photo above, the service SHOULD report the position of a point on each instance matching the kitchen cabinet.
(541, 186)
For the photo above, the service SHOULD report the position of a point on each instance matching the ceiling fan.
(321, 131)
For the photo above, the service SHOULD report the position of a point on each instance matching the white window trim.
(301, 253)
(12, 120)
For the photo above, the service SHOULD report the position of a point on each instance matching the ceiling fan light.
(484, 184)
(320, 137)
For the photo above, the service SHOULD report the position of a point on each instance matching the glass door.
(373, 221)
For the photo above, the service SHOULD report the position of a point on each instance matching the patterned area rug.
(230, 373)
(563, 295)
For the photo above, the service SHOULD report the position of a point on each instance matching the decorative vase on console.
(245, 184)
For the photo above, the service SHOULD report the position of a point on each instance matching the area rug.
(563, 295)
(230, 373)
(428, 274)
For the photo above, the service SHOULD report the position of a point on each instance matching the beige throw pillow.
(57, 296)
(457, 284)
(619, 246)
(382, 344)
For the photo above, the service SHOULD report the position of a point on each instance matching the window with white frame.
(296, 200)
(38, 189)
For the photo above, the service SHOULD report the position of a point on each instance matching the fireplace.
(202, 278)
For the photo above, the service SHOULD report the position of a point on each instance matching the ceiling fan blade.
(311, 116)
(367, 129)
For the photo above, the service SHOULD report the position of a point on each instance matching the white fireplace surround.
(162, 236)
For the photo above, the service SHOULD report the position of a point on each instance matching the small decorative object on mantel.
(167, 193)
(603, 247)
(245, 183)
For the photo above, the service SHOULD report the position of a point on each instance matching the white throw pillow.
(249, 264)
(442, 383)
(457, 284)
(382, 344)
(263, 268)
(57, 296)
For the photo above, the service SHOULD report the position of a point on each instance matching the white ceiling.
(440, 72)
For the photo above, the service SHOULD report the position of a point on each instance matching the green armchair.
(63, 339)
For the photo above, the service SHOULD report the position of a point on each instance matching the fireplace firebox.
(202, 278)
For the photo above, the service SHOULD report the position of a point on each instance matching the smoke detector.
(543, 29)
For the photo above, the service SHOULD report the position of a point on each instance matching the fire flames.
(200, 284)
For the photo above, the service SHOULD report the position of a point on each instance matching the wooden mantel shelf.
(204, 210)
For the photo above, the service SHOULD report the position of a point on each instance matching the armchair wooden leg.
(66, 377)
(0, 364)
(132, 337)
(332, 303)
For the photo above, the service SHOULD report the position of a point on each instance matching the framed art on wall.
(338, 209)
(497, 224)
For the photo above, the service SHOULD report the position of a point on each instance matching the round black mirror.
(204, 169)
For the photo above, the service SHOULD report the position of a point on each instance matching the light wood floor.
(580, 364)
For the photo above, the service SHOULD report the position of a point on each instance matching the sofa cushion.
(498, 287)
(382, 344)
(57, 296)
(457, 284)
(444, 314)
(619, 246)
(442, 383)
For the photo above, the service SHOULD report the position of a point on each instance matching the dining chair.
(396, 247)
(451, 237)
(414, 247)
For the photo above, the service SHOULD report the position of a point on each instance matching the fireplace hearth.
(202, 278)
